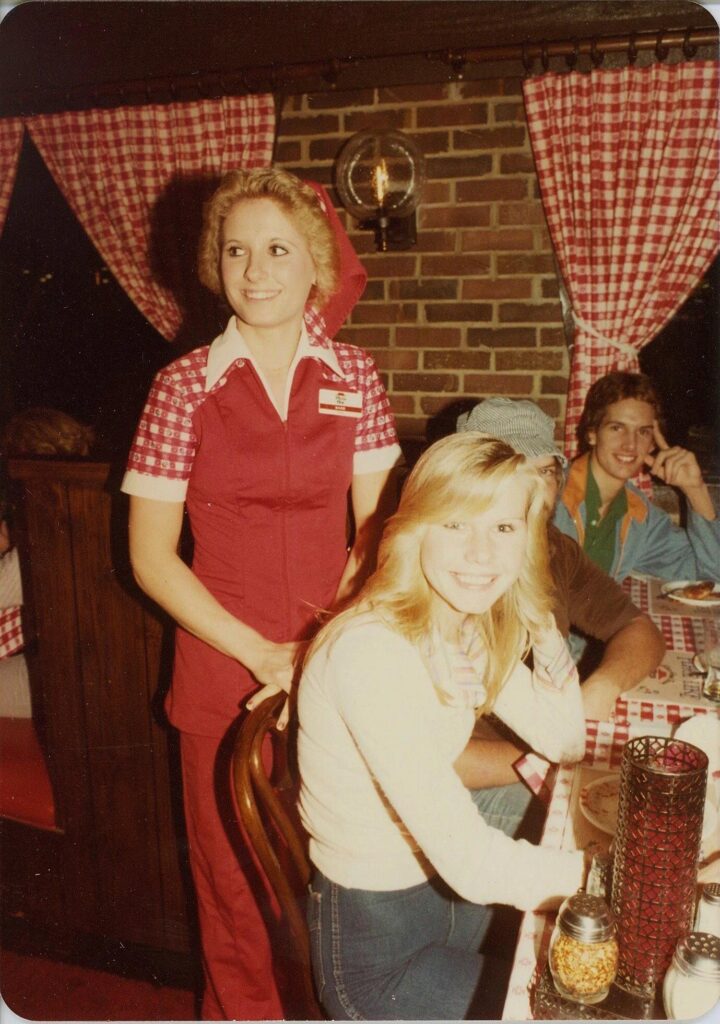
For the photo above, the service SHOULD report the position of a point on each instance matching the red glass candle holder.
(657, 848)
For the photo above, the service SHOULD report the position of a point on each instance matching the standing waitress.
(262, 436)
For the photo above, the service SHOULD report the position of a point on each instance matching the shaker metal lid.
(711, 893)
(700, 952)
(586, 917)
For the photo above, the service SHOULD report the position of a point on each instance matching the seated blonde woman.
(405, 865)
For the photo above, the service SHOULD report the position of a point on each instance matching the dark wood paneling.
(98, 666)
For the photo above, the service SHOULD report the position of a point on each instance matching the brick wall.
(473, 309)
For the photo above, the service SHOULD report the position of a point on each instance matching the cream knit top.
(380, 798)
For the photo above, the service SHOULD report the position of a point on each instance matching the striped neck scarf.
(457, 670)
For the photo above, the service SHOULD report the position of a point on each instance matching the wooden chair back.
(266, 807)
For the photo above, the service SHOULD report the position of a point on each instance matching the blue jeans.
(409, 954)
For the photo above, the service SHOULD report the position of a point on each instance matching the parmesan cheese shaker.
(707, 914)
(692, 984)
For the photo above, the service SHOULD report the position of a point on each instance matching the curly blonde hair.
(297, 200)
(458, 478)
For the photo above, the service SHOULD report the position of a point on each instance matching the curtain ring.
(457, 62)
(544, 56)
(527, 60)
(632, 52)
(331, 73)
(661, 51)
(571, 58)
(688, 49)
(596, 56)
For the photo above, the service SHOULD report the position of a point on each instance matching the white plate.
(599, 803)
(668, 590)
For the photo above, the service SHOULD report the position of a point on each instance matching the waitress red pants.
(237, 959)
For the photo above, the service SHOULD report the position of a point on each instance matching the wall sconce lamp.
(379, 176)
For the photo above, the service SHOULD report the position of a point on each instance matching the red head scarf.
(353, 276)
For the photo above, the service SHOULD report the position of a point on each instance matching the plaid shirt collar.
(230, 346)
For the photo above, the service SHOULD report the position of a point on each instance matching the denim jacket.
(646, 540)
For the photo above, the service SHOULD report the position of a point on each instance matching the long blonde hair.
(458, 478)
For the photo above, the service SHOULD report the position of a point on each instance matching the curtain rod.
(280, 77)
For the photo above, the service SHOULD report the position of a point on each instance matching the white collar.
(230, 346)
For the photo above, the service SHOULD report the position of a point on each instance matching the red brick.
(363, 242)
(424, 288)
(526, 359)
(383, 265)
(457, 312)
(458, 166)
(366, 337)
(553, 385)
(436, 192)
(509, 112)
(494, 240)
(456, 360)
(489, 138)
(525, 263)
(451, 113)
(433, 142)
(311, 124)
(553, 337)
(517, 163)
(544, 242)
(374, 291)
(326, 149)
(489, 189)
(506, 337)
(398, 117)
(413, 93)
(397, 359)
(287, 151)
(436, 241)
(499, 384)
(552, 407)
(428, 337)
(425, 382)
(550, 288)
(520, 213)
(497, 288)
(454, 216)
(332, 100)
(529, 312)
(454, 266)
(402, 404)
(433, 406)
(384, 313)
(408, 427)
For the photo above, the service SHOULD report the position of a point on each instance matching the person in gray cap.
(587, 604)
(587, 600)
(527, 429)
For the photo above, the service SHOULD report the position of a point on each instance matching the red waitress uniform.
(266, 490)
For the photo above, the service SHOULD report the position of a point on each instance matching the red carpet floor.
(46, 990)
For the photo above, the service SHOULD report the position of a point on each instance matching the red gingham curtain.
(115, 167)
(628, 164)
(11, 134)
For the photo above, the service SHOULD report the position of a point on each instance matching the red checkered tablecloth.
(11, 634)
(681, 632)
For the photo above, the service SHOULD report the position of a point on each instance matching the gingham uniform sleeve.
(376, 441)
(163, 449)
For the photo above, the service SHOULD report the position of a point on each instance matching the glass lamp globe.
(380, 174)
